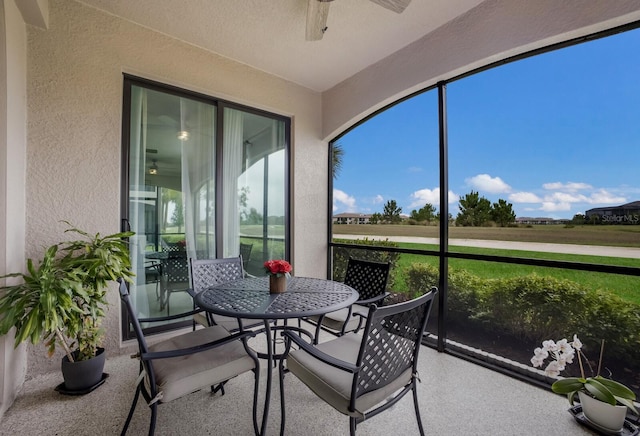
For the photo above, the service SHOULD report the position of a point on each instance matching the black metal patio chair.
(175, 272)
(206, 273)
(153, 274)
(245, 253)
(362, 375)
(183, 364)
(370, 280)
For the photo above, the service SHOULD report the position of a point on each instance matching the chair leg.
(168, 306)
(131, 410)
(282, 408)
(318, 327)
(163, 292)
(154, 415)
(415, 404)
(219, 387)
(256, 372)
(352, 426)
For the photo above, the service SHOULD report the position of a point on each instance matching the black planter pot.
(83, 376)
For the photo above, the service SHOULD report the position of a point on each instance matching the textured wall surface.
(492, 31)
(13, 144)
(74, 130)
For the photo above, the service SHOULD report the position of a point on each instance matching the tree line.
(474, 211)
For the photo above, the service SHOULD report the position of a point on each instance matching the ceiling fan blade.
(317, 13)
(393, 5)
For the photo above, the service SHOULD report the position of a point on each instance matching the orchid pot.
(604, 401)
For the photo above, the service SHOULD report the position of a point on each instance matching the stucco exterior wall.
(74, 130)
(13, 115)
(492, 31)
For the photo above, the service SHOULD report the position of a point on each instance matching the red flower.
(277, 267)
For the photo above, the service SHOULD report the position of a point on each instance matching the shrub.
(617, 321)
(420, 277)
(463, 293)
(534, 307)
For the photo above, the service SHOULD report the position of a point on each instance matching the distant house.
(624, 214)
(351, 218)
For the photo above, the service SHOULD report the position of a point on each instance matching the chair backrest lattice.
(366, 277)
(176, 269)
(176, 265)
(391, 342)
(206, 273)
(245, 252)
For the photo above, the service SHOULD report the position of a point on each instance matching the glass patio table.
(250, 298)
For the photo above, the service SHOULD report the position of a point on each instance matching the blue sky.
(554, 135)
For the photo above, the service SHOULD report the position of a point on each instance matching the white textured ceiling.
(270, 34)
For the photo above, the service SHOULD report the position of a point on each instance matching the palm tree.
(337, 152)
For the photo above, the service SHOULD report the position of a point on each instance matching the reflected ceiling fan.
(318, 11)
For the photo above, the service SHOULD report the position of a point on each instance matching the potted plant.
(62, 301)
(604, 401)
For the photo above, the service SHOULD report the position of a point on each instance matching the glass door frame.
(128, 82)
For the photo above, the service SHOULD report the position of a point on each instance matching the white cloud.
(431, 196)
(564, 197)
(603, 196)
(415, 169)
(524, 197)
(486, 183)
(378, 199)
(347, 201)
(570, 186)
(548, 206)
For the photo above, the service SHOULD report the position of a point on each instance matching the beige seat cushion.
(227, 322)
(178, 376)
(334, 385)
(335, 320)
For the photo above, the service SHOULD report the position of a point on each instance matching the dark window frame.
(131, 80)
(443, 253)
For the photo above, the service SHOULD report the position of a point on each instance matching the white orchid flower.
(549, 345)
(576, 343)
(539, 354)
(563, 345)
(552, 369)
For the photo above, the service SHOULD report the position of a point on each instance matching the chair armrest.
(197, 348)
(320, 355)
(373, 299)
(170, 317)
(379, 300)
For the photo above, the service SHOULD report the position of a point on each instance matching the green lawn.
(627, 287)
(613, 235)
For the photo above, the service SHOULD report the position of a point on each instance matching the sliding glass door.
(202, 179)
(254, 170)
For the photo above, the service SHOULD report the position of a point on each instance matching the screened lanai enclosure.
(204, 180)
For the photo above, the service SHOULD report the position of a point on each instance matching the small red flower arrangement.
(278, 268)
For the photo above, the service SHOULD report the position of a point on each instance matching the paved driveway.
(593, 250)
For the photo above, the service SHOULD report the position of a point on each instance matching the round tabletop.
(250, 298)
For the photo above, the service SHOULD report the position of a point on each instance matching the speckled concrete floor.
(456, 398)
